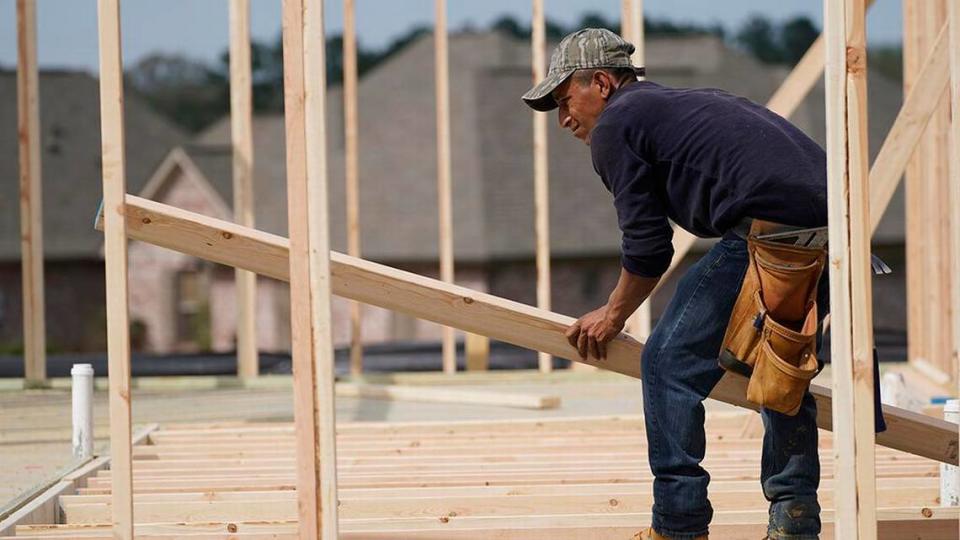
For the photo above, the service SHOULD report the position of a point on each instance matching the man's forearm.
(630, 292)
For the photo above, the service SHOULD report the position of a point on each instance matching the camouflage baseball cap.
(584, 49)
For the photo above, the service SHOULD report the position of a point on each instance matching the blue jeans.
(679, 371)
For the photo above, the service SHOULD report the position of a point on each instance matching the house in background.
(185, 304)
(70, 154)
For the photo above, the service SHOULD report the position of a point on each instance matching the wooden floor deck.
(525, 479)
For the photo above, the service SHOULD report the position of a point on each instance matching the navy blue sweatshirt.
(705, 159)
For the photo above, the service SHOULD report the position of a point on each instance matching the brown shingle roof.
(70, 141)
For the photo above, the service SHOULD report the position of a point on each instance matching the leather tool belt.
(771, 337)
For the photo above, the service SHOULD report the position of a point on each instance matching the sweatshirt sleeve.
(646, 248)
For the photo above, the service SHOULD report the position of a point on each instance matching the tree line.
(194, 94)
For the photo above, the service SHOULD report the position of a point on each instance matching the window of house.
(193, 309)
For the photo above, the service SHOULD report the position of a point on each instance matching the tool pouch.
(771, 337)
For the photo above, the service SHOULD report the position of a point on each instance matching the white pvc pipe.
(950, 474)
(82, 410)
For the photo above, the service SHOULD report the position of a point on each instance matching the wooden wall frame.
(305, 260)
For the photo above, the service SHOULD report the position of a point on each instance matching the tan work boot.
(650, 534)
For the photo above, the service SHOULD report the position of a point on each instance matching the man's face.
(580, 102)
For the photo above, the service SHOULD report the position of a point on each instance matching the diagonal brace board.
(267, 254)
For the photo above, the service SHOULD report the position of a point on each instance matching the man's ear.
(604, 83)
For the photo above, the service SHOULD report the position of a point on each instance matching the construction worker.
(711, 162)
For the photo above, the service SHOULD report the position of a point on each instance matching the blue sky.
(198, 28)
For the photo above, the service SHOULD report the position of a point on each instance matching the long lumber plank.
(281, 505)
(444, 169)
(739, 460)
(309, 266)
(241, 137)
(848, 198)
(221, 490)
(927, 523)
(541, 169)
(267, 254)
(31, 197)
(953, 15)
(114, 182)
(425, 463)
(883, 484)
(351, 158)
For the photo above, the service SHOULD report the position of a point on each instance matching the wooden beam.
(935, 154)
(458, 450)
(953, 10)
(352, 169)
(848, 195)
(920, 485)
(915, 214)
(444, 202)
(281, 505)
(513, 322)
(115, 261)
(640, 321)
(309, 267)
(895, 523)
(241, 137)
(384, 469)
(31, 198)
(541, 179)
(447, 395)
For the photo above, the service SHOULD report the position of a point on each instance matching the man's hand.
(591, 333)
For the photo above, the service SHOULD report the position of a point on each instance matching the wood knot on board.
(927, 512)
(231, 527)
(226, 235)
(467, 300)
(856, 60)
(146, 221)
